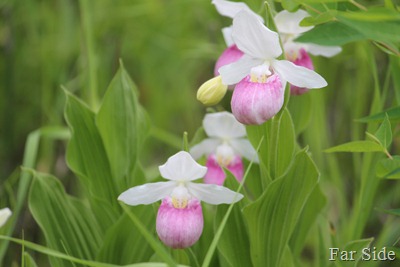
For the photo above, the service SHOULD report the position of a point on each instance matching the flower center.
(260, 73)
(224, 154)
(180, 196)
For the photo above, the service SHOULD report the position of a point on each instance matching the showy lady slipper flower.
(180, 218)
(288, 25)
(232, 53)
(224, 148)
(259, 75)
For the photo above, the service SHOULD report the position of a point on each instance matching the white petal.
(223, 125)
(4, 215)
(235, 72)
(182, 167)
(245, 149)
(253, 38)
(147, 193)
(299, 76)
(320, 50)
(289, 23)
(205, 147)
(227, 33)
(213, 194)
(230, 9)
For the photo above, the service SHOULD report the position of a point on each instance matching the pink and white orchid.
(260, 96)
(288, 25)
(224, 148)
(232, 53)
(180, 218)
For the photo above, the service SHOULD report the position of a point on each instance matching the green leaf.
(124, 237)
(315, 203)
(67, 224)
(278, 148)
(393, 113)
(382, 31)
(272, 218)
(319, 19)
(123, 126)
(358, 246)
(373, 14)
(395, 70)
(331, 34)
(87, 158)
(384, 133)
(393, 212)
(389, 168)
(357, 146)
(231, 246)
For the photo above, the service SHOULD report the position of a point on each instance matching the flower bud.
(212, 91)
(179, 227)
(257, 102)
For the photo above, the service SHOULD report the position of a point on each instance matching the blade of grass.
(213, 245)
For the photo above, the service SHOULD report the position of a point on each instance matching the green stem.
(87, 30)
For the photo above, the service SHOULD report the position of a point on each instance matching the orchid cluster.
(250, 64)
(252, 67)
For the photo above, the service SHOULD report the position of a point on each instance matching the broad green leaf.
(382, 31)
(319, 19)
(358, 246)
(374, 14)
(287, 259)
(315, 203)
(388, 168)
(122, 125)
(87, 158)
(68, 225)
(331, 34)
(384, 133)
(272, 218)
(290, 5)
(278, 147)
(123, 238)
(231, 246)
(357, 146)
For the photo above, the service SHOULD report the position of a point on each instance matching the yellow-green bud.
(212, 91)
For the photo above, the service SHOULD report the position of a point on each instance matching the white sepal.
(205, 147)
(213, 194)
(230, 9)
(182, 167)
(223, 125)
(297, 75)
(147, 193)
(320, 50)
(253, 38)
(244, 148)
(235, 72)
(289, 22)
(4, 215)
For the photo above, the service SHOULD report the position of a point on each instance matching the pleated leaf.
(87, 158)
(272, 218)
(122, 125)
(68, 225)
